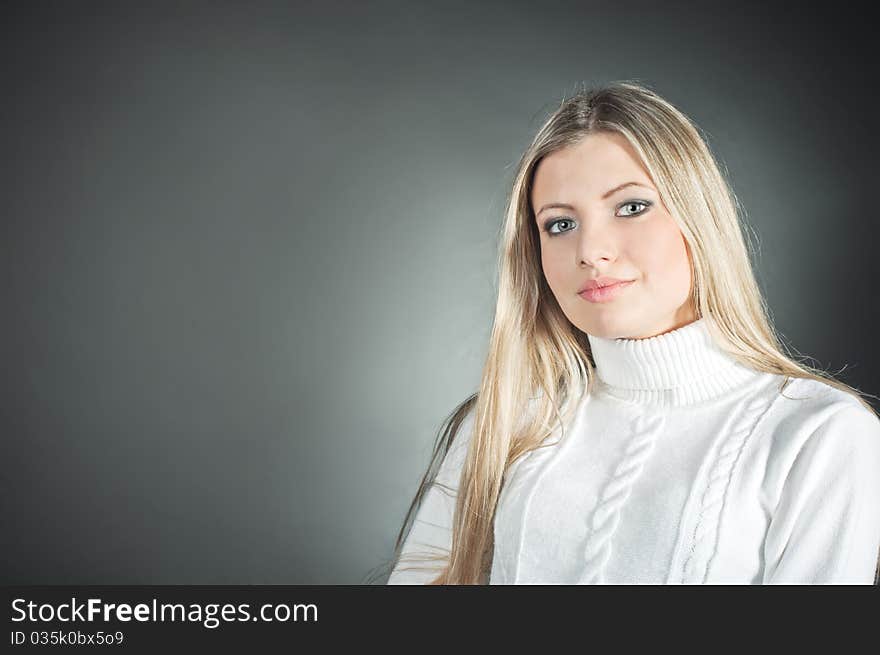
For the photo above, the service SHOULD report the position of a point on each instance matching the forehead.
(587, 169)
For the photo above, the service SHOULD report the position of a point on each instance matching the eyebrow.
(562, 205)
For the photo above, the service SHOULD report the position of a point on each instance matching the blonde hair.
(537, 358)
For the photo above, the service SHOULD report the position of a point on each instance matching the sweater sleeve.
(826, 526)
(426, 548)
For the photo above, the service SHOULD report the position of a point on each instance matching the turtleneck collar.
(680, 367)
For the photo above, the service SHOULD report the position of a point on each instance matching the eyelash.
(551, 222)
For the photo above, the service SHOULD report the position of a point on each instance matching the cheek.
(554, 268)
(661, 254)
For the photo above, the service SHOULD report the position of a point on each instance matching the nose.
(595, 246)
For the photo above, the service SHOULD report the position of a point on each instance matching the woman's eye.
(631, 208)
(562, 221)
(635, 204)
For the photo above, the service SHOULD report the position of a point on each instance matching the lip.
(604, 289)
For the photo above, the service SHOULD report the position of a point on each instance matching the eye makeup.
(551, 222)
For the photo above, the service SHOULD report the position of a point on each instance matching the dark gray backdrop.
(248, 250)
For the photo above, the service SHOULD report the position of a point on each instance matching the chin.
(616, 323)
(609, 327)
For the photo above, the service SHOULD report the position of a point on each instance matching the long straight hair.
(538, 359)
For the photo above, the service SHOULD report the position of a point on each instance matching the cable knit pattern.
(614, 495)
(684, 466)
(699, 559)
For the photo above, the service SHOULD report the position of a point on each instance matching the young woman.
(637, 420)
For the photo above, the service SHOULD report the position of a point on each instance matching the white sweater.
(682, 467)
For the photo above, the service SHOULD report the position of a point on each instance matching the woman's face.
(604, 230)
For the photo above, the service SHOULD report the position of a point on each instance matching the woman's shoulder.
(812, 416)
(813, 402)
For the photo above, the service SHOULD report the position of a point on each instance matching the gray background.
(248, 250)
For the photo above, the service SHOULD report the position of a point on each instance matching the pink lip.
(606, 293)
